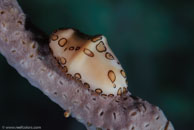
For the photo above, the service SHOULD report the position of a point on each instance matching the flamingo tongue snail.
(90, 60)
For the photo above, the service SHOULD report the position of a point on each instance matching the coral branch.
(33, 60)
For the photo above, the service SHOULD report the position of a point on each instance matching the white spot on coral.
(47, 92)
(3, 27)
(51, 75)
(31, 74)
(42, 69)
(14, 11)
(24, 63)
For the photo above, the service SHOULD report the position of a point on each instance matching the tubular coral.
(35, 62)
